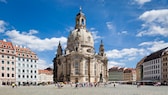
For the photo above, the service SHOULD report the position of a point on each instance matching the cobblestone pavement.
(67, 90)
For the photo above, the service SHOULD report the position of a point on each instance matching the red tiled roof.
(6, 45)
(45, 72)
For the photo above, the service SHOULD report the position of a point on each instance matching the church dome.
(84, 37)
(80, 36)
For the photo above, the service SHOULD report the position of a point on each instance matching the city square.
(68, 90)
(86, 47)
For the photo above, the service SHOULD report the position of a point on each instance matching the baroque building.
(17, 64)
(79, 62)
(7, 63)
(153, 68)
(26, 66)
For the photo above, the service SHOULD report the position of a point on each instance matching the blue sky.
(130, 29)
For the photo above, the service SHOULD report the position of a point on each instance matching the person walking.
(13, 85)
(114, 85)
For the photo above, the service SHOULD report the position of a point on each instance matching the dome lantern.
(80, 20)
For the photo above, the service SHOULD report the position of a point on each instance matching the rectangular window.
(76, 68)
(13, 75)
(2, 68)
(8, 75)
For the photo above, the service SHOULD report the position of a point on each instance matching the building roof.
(128, 70)
(27, 52)
(47, 72)
(20, 51)
(118, 69)
(6, 45)
(140, 62)
(155, 55)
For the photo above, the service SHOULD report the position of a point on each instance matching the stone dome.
(83, 36)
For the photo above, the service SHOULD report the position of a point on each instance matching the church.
(79, 62)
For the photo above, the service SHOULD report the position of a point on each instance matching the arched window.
(76, 68)
(83, 22)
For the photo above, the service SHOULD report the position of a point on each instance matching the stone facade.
(165, 67)
(79, 62)
(116, 74)
(129, 75)
(45, 76)
(139, 70)
(7, 63)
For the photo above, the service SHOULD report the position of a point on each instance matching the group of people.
(87, 84)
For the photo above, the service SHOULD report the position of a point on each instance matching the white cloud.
(42, 64)
(3, 1)
(127, 55)
(154, 46)
(110, 26)
(141, 2)
(155, 23)
(94, 34)
(29, 40)
(124, 53)
(2, 26)
(114, 63)
(124, 56)
(69, 29)
(123, 33)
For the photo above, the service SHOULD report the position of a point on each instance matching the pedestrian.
(71, 84)
(114, 85)
(76, 85)
(13, 85)
(138, 85)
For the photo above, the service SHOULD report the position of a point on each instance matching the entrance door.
(76, 80)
